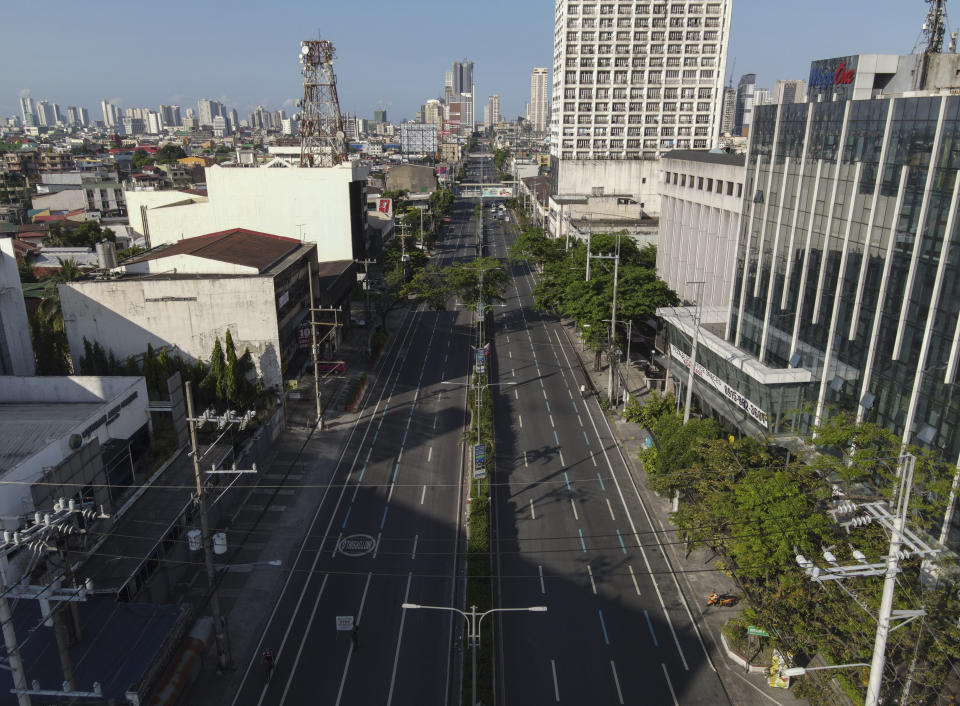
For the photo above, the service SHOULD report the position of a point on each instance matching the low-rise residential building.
(185, 295)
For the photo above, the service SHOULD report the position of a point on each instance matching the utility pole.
(313, 347)
(223, 649)
(895, 524)
(693, 351)
(366, 286)
(589, 238)
(613, 325)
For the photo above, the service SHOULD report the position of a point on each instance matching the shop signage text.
(730, 393)
(824, 78)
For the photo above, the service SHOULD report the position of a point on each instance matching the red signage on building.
(385, 206)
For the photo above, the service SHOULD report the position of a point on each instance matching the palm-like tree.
(46, 323)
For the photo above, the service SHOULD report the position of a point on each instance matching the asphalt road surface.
(572, 534)
(385, 532)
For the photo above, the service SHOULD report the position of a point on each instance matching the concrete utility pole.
(693, 351)
(223, 649)
(613, 326)
(313, 347)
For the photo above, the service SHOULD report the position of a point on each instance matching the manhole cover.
(356, 545)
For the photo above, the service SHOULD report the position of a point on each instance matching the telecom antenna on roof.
(934, 27)
(321, 125)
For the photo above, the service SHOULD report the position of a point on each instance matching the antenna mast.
(934, 27)
(321, 125)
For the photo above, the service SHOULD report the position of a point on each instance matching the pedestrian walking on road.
(355, 638)
(269, 661)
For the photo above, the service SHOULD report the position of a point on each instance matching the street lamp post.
(474, 624)
(800, 671)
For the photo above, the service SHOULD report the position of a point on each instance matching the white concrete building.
(634, 80)
(701, 196)
(186, 294)
(82, 432)
(16, 353)
(539, 109)
(322, 205)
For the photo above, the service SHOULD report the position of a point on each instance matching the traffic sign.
(754, 630)
(344, 623)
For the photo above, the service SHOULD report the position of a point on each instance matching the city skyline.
(269, 63)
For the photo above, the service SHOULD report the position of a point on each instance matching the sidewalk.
(742, 688)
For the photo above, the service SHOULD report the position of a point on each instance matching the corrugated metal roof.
(238, 246)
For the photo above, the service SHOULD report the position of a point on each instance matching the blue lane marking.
(540, 380)
(531, 346)
(555, 437)
(622, 545)
(375, 434)
(602, 487)
(362, 471)
(396, 468)
(587, 438)
(346, 517)
(576, 411)
(548, 408)
(582, 543)
(404, 442)
(650, 625)
(567, 479)
(603, 625)
(384, 520)
(565, 383)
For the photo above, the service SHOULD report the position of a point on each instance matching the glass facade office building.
(847, 268)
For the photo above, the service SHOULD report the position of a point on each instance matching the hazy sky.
(389, 54)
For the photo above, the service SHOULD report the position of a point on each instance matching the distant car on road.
(332, 366)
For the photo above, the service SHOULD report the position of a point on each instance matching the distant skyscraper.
(27, 108)
(170, 115)
(234, 120)
(379, 116)
(111, 114)
(635, 93)
(433, 112)
(73, 116)
(463, 76)
(46, 113)
(761, 96)
(492, 110)
(538, 108)
(743, 118)
(729, 110)
(790, 91)
(208, 109)
(84, 116)
(154, 123)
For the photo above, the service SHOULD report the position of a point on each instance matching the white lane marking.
(435, 421)
(579, 420)
(616, 681)
(376, 547)
(533, 515)
(356, 489)
(303, 641)
(575, 515)
(346, 667)
(516, 395)
(570, 394)
(593, 584)
(543, 589)
(513, 372)
(335, 545)
(633, 528)
(413, 554)
(525, 464)
(636, 586)
(551, 421)
(593, 457)
(667, 676)
(610, 508)
(520, 421)
(423, 495)
(509, 354)
(429, 454)
(544, 394)
(556, 687)
(396, 655)
(562, 463)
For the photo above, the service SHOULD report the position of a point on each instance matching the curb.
(735, 657)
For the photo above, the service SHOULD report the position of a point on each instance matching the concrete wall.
(189, 264)
(140, 202)
(67, 200)
(125, 315)
(16, 352)
(415, 179)
(636, 177)
(314, 203)
(699, 229)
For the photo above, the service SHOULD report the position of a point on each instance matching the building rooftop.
(237, 246)
(28, 428)
(708, 156)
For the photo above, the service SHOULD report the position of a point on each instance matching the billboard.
(385, 206)
(503, 192)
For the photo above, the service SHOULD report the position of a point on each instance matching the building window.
(720, 186)
(700, 183)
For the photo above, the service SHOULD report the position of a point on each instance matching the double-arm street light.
(474, 622)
